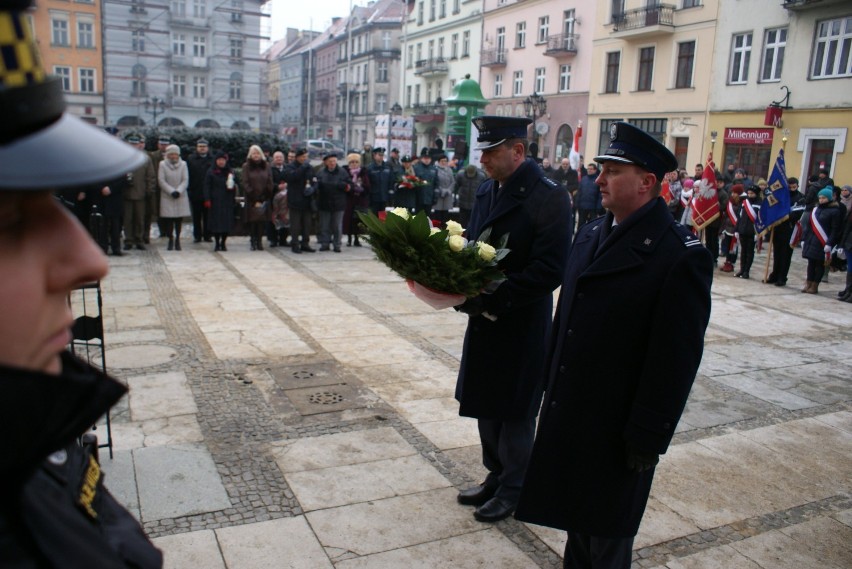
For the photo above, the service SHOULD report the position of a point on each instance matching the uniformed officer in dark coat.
(500, 381)
(54, 509)
(199, 162)
(636, 284)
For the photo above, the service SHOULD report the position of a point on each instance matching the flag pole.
(768, 253)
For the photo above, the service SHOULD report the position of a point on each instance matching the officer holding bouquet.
(500, 381)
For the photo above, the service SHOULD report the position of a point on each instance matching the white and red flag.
(705, 202)
(574, 155)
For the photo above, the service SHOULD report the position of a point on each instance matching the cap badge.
(613, 131)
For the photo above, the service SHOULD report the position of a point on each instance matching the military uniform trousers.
(134, 221)
(506, 448)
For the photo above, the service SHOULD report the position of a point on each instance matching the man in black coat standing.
(500, 380)
(301, 185)
(199, 162)
(635, 282)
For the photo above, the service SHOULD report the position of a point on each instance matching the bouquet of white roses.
(441, 266)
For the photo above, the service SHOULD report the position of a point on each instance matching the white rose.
(401, 212)
(454, 228)
(486, 251)
(456, 243)
(434, 230)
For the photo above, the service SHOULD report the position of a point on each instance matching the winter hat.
(688, 183)
(737, 189)
(761, 182)
(827, 193)
(172, 149)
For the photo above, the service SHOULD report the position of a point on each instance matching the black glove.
(472, 306)
(640, 461)
(176, 194)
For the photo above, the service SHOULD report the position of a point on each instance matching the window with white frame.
(87, 79)
(199, 46)
(138, 87)
(417, 95)
(137, 41)
(387, 40)
(774, 43)
(685, 64)
(644, 81)
(410, 57)
(833, 49)
(432, 10)
(443, 11)
(501, 38)
(430, 50)
(420, 13)
(498, 85)
(199, 8)
(518, 83)
(178, 44)
(441, 48)
(85, 33)
(613, 65)
(543, 28)
(419, 52)
(179, 85)
(428, 93)
(64, 75)
(408, 96)
(236, 48)
(381, 104)
(382, 72)
(564, 78)
(237, 11)
(466, 43)
(691, 3)
(740, 56)
(179, 8)
(454, 46)
(521, 34)
(199, 87)
(235, 86)
(539, 80)
(59, 29)
(439, 91)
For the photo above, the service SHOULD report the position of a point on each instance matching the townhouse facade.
(69, 38)
(184, 62)
(797, 55)
(651, 66)
(441, 45)
(536, 63)
(368, 63)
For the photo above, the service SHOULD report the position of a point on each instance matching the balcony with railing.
(188, 62)
(801, 5)
(562, 44)
(180, 21)
(492, 58)
(323, 95)
(644, 22)
(431, 67)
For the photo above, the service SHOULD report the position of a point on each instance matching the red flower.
(382, 215)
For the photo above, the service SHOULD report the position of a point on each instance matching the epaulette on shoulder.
(685, 235)
(550, 182)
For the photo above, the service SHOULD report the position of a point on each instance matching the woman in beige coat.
(173, 177)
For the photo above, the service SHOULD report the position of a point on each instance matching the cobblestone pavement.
(297, 411)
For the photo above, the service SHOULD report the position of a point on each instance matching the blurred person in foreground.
(54, 508)
(615, 393)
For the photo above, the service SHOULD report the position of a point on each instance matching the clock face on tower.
(462, 111)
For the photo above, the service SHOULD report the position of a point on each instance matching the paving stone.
(160, 395)
(192, 549)
(271, 545)
(726, 557)
(394, 523)
(477, 550)
(120, 478)
(177, 480)
(350, 484)
(765, 392)
(779, 551)
(450, 434)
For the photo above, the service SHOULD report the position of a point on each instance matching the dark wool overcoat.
(220, 218)
(501, 373)
(628, 335)
(831, 221)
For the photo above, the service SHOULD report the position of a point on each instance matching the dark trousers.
(782, 254)
(711, 239)
(747, 257)
(111, 236)
(464, 216)
(134, 220)
(589, 552)
(200, 229)
(152, 208)
(506, 448)
(300, 225)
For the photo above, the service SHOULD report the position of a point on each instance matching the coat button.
(562, 369)
(553, 405)
(569, 332)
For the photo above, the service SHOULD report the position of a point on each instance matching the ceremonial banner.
(705, 202)
(776, 199)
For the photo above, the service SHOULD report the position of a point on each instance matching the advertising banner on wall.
(394, 131)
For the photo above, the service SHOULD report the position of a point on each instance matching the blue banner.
(775, 207)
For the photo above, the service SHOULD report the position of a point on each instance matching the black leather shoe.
(308, 249)
(780, 283)
(494, 510)
(140, 247)
(128, 246)
(297, 250)
(476, 495)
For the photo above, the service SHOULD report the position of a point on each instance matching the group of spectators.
(820, 222)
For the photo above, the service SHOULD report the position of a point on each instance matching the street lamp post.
(155, 106)
(535, 106)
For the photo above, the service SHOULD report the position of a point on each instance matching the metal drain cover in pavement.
(326, 387)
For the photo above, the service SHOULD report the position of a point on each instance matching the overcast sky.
(307, 14)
